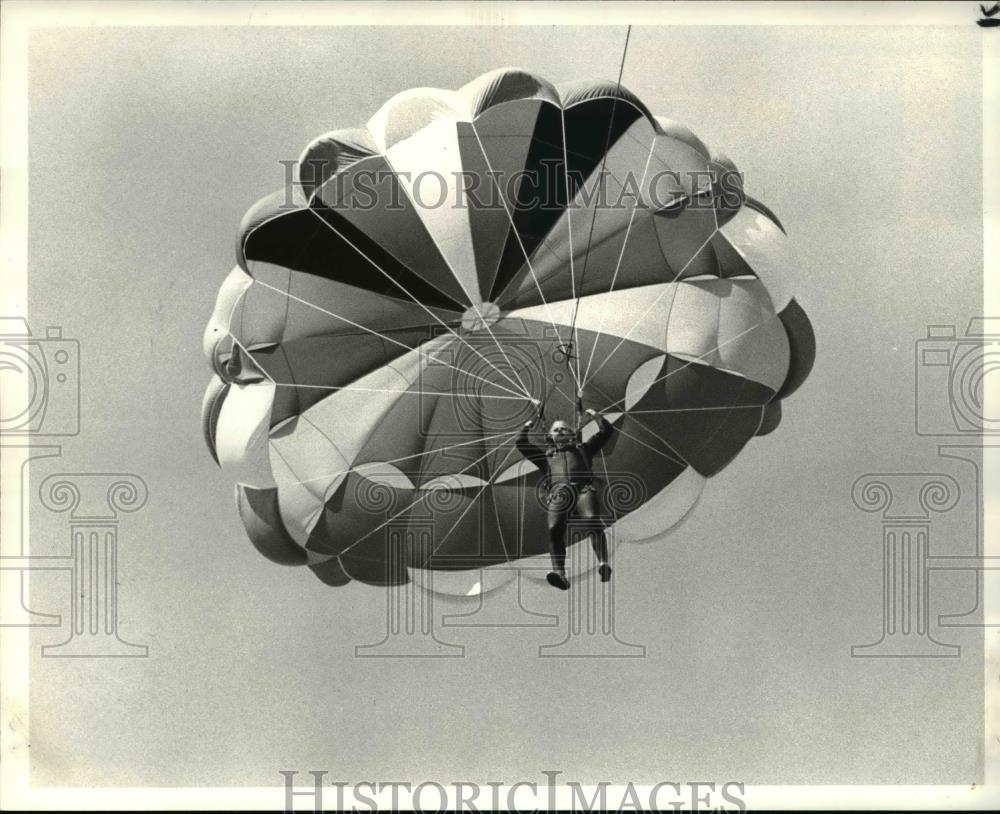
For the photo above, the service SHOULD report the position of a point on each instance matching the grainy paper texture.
(760, 643)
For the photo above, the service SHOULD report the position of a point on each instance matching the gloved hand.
(536, 417)
(590, 412)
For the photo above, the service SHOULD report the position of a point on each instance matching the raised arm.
(604, 432)
(533, 453)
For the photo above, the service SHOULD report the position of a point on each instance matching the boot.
(557, 576)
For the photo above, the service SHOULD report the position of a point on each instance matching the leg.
(557, 538)
(588, 511)
(558, 512)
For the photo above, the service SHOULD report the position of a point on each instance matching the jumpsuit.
(571, 490)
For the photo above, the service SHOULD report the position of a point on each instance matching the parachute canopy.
(390, 318)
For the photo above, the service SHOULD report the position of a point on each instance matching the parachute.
(393, 314)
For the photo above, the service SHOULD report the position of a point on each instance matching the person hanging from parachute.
(567, 462)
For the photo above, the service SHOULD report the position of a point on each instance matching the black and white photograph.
(499, 406)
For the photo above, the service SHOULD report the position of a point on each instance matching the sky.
(146, 148)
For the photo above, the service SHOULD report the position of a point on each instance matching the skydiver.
(567, 461)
